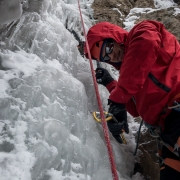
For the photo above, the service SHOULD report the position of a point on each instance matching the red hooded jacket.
(150, 71)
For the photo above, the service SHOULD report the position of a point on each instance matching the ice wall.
(46, 98)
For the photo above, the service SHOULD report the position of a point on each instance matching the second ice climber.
(148, 58)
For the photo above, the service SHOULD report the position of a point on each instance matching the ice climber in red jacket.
(148, 58)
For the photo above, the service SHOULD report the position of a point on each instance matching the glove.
(103, 77)
(119, 112)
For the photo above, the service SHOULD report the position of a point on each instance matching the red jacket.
(150, 71)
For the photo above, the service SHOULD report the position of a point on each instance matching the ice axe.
(98, 66)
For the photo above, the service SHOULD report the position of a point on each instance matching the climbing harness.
(176, 106)
(155, 133)
(172, 104)
(104, 125)
(173, 163)
(108, 117)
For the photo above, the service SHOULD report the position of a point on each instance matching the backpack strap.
(173, 103)
(175, 164)
(177, 96)
(174, 149)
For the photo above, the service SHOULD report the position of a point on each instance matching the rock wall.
(116, 11)
(170, 21)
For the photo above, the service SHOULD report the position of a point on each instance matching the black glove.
(119, 112)
(103, 77)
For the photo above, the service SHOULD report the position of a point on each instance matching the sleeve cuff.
(110, 86)
(119, 96)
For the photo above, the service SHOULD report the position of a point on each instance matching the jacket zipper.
(157, 83)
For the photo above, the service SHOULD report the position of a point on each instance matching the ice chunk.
(10, 10)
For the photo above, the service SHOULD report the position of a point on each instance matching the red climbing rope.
(104, 125)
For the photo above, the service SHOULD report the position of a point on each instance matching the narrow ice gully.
(46, 98)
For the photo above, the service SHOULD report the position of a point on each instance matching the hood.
(104, 30)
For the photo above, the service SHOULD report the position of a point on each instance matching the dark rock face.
(107, 10)
(170, 21)
(116, 11)
(149, 164)
(144, 3)
(177, 1)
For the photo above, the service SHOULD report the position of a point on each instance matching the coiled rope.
(104, 125)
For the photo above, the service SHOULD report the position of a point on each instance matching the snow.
(47, 96)
(177, 11)
(164, 3)
(132, 16)
(21, 62)
(4, 87)
(116, 9)
(159, 4)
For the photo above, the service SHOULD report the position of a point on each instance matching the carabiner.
(107, 116)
